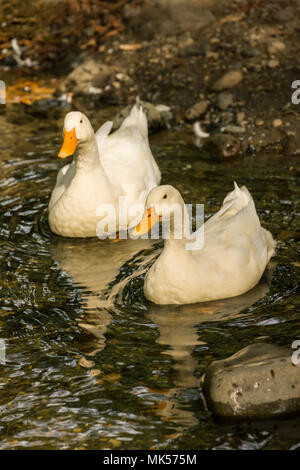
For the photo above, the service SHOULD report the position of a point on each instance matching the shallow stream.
(90, 363)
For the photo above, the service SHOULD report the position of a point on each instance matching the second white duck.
(105, 167)
(236, 250)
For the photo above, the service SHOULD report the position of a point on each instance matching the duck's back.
(236, 247)
(235, 253)
(127, 159)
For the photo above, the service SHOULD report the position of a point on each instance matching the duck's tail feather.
(270, 242)
(235, 201)
(137, 118)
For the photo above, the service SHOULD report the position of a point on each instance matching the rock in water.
(222, 145)
(259, 381)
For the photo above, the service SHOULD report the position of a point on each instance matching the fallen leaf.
(232, 18)
(130, 47)
(28, 91)
(85, 363)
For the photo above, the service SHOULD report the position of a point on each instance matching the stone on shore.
(197, 110)
(89, 77)
(225, 100)
(228, 80)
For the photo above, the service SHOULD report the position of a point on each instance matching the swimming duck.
(235, 252)
(105, 167)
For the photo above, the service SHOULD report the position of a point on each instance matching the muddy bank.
(228, 64)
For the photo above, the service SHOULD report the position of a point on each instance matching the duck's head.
(77, 130)
(163, 203)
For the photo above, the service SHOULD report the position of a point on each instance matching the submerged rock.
(222, 145)
(259, 381)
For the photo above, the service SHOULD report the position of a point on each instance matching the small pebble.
(225, 100)
(259, 122)
(228, 80)
(240, 117)
(196, 111)
(273, 63)
(277, 123)
(276, 46)
(233, 129)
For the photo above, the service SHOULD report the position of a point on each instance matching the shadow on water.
(90, 363)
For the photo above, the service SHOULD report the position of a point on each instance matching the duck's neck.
(175, 244)
(176, 233)
(87, 158)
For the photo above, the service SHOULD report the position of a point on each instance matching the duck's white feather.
(234, 255)
(102, 135)
(127, 158)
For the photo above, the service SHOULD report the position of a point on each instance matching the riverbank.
(228, 64)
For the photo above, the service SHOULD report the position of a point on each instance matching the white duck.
(104, 168)
(234, 255)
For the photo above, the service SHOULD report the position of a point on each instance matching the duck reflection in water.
(94, 265)
(178, 333)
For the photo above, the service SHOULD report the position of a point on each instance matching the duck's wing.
(102, 135)
(63, 179)
(237, 224)
(127, 158)
(234, 202)
(137, 119)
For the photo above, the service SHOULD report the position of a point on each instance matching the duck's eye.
(81, 121)
(165, 196)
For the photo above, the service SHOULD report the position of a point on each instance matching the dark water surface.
(90, 364)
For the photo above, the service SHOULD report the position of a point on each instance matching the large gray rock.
(258, 381)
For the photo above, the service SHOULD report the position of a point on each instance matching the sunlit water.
(90, 364)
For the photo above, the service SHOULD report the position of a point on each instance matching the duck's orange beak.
(69, 144)
(150, 218)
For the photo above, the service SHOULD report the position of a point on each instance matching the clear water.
(90, 364)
